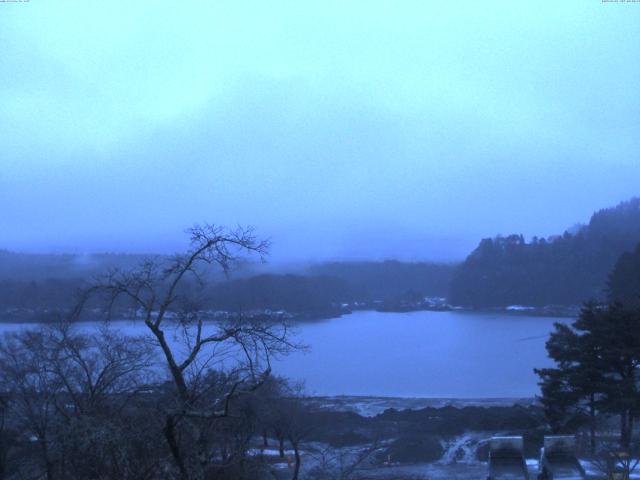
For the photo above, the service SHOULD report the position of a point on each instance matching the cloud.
(321, 123)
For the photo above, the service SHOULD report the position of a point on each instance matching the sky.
(340, 130)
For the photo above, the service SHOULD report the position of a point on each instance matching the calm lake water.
(416, 354)
(423, 354)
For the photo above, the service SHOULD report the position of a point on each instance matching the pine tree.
(597, 360)
(624, 280)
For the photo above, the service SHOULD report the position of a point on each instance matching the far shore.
(368, 406)
(28, 316)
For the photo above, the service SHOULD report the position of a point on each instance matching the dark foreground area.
(433, 442)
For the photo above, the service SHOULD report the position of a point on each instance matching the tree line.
(562, 270)
(319, 290)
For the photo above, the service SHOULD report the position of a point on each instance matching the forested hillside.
(390, 279)
(323, 287)
(563, 270)
(624, 282)
(38, 287)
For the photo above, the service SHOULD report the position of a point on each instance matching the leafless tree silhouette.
(167, 296)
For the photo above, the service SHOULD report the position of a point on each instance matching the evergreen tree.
(571, 392)
(597, 361)
(624, 281)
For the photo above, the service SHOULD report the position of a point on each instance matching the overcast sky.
(339, 129)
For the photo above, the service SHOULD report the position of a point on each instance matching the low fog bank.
(38, 287)
(502, 272)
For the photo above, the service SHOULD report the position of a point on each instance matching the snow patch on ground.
(462, 449)
(269, 452)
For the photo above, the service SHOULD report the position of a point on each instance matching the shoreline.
(47, 317)
(372, 405)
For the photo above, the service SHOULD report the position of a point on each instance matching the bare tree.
(267, 401)
(344, 463)
(168, 296)
(613, 462)
(33, 390)
(7, 439)
(290, 417)
(283, 410)
(68, 393)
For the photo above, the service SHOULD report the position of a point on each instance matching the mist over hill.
(34, 267)
(560, 270)
(39, 287)
(506, 270)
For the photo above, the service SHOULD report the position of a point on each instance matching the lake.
(415, 354)
(423, 354)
